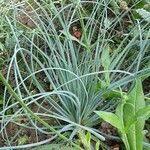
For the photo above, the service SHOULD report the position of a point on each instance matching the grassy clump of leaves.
(60, 79)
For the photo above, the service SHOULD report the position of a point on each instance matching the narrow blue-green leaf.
(105, 60)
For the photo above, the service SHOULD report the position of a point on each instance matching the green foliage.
(130, 118)
(111, 118)
(105, 60)
(88, 142)
(66, 78)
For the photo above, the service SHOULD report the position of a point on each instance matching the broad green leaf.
(136, 99)
(54, 147)
(128, 117)
(119, 109)
(140, 103)
(136, 96)
(119, 112)
(143, 112)
(110, 118)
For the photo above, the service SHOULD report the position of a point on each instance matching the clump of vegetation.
(62, 61)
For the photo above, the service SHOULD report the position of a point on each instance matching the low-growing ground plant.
(130, 117)
(70, 59)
